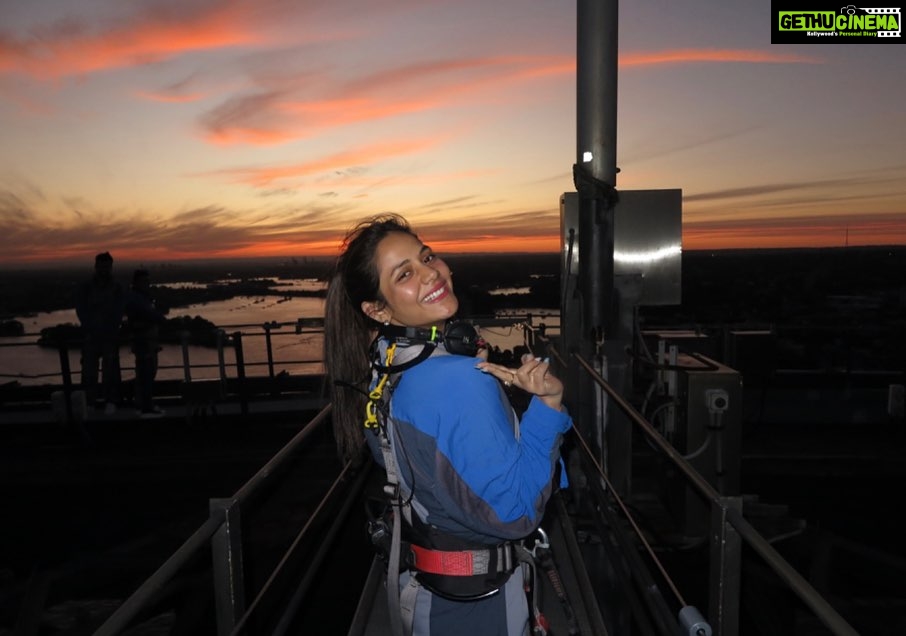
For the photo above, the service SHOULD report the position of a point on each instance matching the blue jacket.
(478, 474)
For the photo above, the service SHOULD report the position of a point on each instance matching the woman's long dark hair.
(348, 332)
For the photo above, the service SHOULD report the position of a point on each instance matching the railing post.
(529, 334)
(226, 549)
(75, 417)
(186, 367)
(726, 567)
(66, 372)
(221, 363)
(240, 372)
(270, 350)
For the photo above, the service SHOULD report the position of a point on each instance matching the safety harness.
(461, 574)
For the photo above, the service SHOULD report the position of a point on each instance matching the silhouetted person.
(144, 320)
(100, 304)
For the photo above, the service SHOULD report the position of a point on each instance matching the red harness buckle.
(442, 562)
(492, 560)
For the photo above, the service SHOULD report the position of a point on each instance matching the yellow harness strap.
(377, 393)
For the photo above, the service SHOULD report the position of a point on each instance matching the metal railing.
(225, 338)
(237, 377)
(223, 533)
(728, 530)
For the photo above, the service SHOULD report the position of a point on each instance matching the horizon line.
(326, 258)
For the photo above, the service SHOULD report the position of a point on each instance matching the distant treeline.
(30, 291)
(732, 285)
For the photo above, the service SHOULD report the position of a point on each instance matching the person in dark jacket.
(100, 305)
(473, 478)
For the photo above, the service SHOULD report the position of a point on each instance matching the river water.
(22, 361)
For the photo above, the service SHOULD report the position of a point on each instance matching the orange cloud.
(169, 98)
(803, 231)
(682, 56)
(439, 73)
(446, 237)
(499, 244)
(342, 161)
(266, 120)
(280, 116)
(340, 112)
(72, 48)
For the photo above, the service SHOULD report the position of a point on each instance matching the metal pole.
(596, 165)
(595, 174)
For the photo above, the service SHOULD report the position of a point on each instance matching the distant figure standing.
(144, 320)
(100, 304)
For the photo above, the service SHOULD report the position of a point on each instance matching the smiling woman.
(415, 284)
(472, 479)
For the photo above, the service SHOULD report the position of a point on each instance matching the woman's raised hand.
(534, 376)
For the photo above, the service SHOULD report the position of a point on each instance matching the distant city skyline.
(161, 130)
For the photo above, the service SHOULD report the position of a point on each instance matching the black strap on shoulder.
(374, 353)
(423, 355)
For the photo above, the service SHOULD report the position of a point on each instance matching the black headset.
(458, 337)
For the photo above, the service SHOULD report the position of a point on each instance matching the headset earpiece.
(462, 338)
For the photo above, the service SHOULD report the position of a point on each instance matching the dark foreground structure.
(232, 515)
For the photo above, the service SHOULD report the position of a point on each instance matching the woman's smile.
(438, 294)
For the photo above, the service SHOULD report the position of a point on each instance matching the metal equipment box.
(707, 432)
(647, 241)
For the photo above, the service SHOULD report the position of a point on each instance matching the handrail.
(247, 490)
(198, 540)
(822, 609)
(316, 561)
(266, 333)
(135, 603)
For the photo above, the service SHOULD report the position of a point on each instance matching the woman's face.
(416, 285)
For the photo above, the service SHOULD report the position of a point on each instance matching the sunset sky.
(162, 130)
